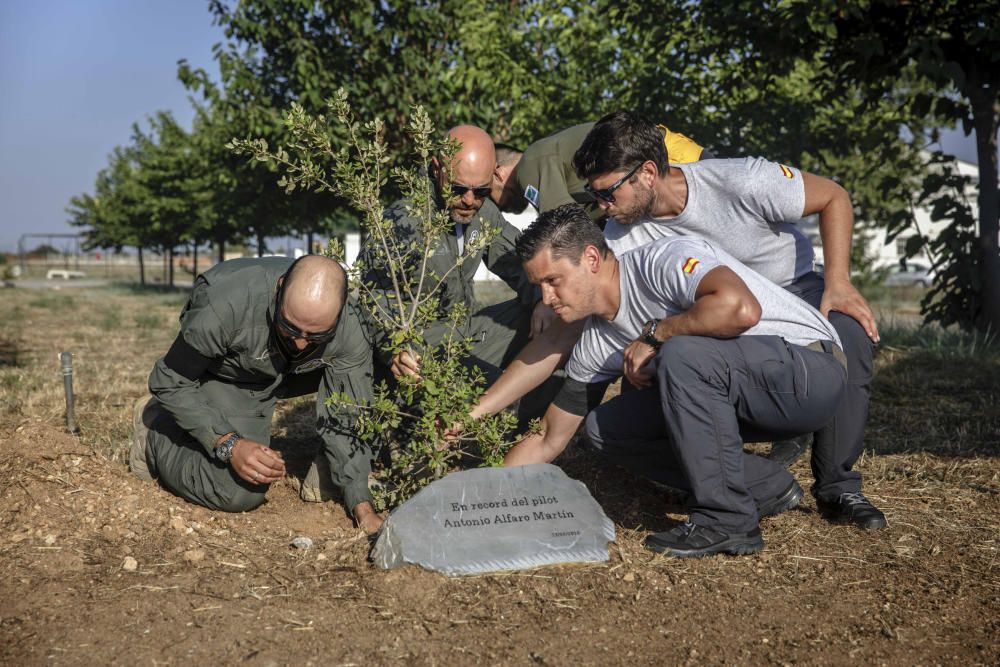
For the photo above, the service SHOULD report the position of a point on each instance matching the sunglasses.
(608, 194)
(479, 192)
(292, 330)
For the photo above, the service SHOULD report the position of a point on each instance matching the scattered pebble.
(302, 542)
(178, 524)
(630, 577)
(130, 564)
(50, 540)
(194, 555)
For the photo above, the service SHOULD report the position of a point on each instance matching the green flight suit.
(225, 373)
(500, 330)
(547, 179)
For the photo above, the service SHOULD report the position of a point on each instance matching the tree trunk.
(260, 244)
(142, 268)
(170, 267)
(986, 117)
(194, 264)
(221, 245)
(309, 243)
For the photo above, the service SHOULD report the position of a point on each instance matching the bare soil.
(97, 567)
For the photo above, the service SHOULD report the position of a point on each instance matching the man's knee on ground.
(240, 499)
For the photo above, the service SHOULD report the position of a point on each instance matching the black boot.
(787, 452)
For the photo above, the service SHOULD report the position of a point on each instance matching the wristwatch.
(649, 334)
(224, 450)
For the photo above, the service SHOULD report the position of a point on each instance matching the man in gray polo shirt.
(726, 352)
(748, 207)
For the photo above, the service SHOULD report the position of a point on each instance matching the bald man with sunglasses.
(463, 190)
(256, 330)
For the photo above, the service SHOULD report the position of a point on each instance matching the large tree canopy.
(852, 90)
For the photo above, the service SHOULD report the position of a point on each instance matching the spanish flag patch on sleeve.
(786, 171)
(690, 263)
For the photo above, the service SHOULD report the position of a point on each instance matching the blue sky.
(75, 76)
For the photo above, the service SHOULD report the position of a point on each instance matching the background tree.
(939, 62)
(115, 216)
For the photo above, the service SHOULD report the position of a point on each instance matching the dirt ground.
(97, 567)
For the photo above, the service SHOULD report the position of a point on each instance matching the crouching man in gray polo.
(721, 354)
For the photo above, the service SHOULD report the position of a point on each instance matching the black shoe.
(852, 508)
(787, 452)
(781, 503)
(688, 539)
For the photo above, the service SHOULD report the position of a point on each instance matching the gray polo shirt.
(747, 207)
(660, 280)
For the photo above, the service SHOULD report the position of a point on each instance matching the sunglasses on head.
(479, 192)
(608, 194)
(290, 329)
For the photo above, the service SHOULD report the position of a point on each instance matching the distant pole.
(66, 364)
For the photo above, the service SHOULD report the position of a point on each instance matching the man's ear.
(649, 167)
(592, 258)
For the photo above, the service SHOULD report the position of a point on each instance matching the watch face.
(224, 451)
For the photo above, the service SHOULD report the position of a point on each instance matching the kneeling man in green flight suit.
(255, 330)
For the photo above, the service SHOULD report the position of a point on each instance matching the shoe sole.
(743, 546)
(788, 500)
(315, 486)
(137, 451)
(839, 519)
(786, 456)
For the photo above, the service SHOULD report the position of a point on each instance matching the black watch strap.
(649, 334)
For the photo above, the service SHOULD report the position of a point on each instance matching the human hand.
(256, 463)
(405, 363)
(843, 297)
(637, 356)
(366, 518)
(449, 435)
(542, 318)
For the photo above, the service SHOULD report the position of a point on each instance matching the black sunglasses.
(292, 330)
(479, 192)
(608, 194)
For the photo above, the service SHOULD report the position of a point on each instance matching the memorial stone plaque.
(493, 519)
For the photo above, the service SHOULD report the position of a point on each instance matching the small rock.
(194, 555)
(302, 542)
(130, 564)
(178, 524)
(50, 540)
(630, 577)
(321, 557)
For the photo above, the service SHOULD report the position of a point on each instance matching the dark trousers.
(630, 430)
(183, 465)
(838, 444)
(714, 394)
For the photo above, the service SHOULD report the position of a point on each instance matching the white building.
(889, 253)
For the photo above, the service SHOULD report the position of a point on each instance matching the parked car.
(910, 273)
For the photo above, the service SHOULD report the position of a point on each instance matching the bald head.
(474, 162)
(314, 294)
(471, 167)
